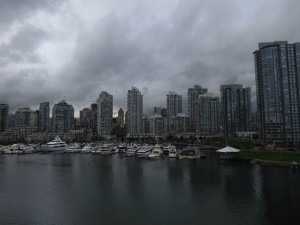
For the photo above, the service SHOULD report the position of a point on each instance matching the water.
(91, 189)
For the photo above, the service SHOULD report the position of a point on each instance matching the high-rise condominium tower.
(277, 71)
(3, 117)
(62, 117)
(193, 106)
(174, 106)
(86, 118)
(134, 117)
(43, 116)
(105, 113)
(209, 115)
(94, 118)
(236, 109)
(26, 117)
(120, 118)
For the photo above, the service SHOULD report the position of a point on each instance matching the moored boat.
(87, 148)
(172, 152)
(144, 151)
(56, 145)
(156, 152)
(131, 150)
(75, 148)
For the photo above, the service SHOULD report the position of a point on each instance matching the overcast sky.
(73, 49)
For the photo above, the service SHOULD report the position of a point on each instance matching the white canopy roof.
(228, 149)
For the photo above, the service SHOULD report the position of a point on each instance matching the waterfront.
(94, 189)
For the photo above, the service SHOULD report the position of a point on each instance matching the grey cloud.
(193, 42)
(198, 44)
(28, 87)
(23, 45)
(18, 10)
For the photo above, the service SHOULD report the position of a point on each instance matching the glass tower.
(277, 70)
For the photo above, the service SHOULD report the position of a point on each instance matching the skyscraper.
(63, 117)
(277, 71)
(209, 115)
(134, 117)
(120, 118)
(105, 113)
(43, 116)
(86, 117)
(94, 117)
(3, 117)
(180, 124)
(193, 106)
(11, 120)
(236, 109)
(158, 125)
(174, 106)
(26, 117)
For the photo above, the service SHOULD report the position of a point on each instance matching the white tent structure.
(227, 152)
(228, 149)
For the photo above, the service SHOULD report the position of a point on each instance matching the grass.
(270, 155)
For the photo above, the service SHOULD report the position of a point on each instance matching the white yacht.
(12, 149)
(75, 148)
(144, 151)
(172, 152)
(87, 148)
(56, 145)
(122, 148)
(131, 150)
(166, 150)
(156, 152)
(157, 149)
(4, 149)
(105, 150)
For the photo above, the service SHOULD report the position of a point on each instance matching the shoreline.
(284, 159)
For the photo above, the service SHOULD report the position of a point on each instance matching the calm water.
(91, 189)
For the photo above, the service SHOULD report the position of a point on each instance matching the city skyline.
(149, 112)
(58, 50)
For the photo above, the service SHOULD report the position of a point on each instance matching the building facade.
(63, 117)
(105, 114)
(193, 106)
(277, 71)
(236, 109)
(134, 118)
(94, 117)
(11, 120)
(120, 118)
(26, 117)
(174, 107)
(180, 125)
(209, 115)
(86, 118)
(160, 111)
(146, 126)
(158, 125)
(43, 116)
(4, 110)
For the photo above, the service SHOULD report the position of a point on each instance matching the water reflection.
(281, 195)
(92, 189)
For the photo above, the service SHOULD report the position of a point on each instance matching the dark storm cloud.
(172, 46)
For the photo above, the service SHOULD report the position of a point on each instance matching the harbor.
(155, 151)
